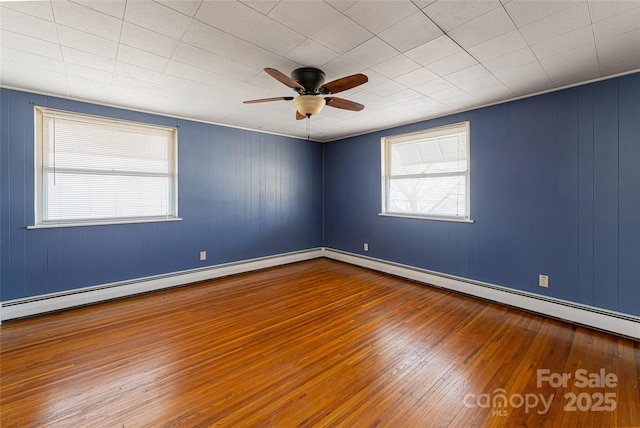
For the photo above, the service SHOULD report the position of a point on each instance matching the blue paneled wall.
(242, 195)
(555, 190)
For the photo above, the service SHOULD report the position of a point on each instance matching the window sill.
(425, 217)
(103, 223)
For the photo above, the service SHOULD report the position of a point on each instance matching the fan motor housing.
(310, 78)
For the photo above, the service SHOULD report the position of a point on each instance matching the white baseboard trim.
(600, 319)
(20, 308)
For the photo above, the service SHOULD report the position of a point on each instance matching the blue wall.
(242, 195)
(555, 190)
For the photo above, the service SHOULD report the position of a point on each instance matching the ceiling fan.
(308, 82)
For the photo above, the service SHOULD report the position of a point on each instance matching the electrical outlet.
(203, 255)
(543, 281)
(366, 246)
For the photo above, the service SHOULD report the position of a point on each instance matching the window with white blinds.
(99, 170)
(426, 174)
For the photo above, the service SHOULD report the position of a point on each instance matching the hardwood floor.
(318, 343)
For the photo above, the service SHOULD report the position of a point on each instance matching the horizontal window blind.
(427, 173)
(93, 168)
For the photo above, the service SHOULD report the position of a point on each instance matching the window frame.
(40, 220)
(386, 143)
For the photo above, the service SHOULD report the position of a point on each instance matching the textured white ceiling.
(201, 59)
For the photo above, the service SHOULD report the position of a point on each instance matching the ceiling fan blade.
(265, 100)
(343, 104)
(343, 84)
(283, 78)
(300, 116)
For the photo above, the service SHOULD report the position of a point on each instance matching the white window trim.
(39, 169)
(385, 167)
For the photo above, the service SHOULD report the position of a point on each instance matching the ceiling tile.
(368, 97)
(87, 42)
(524, 12)
(583, 54)
(455, 98)
(453, 63)
(88, 89)
(211, 62)
(312, 54)
(387, 88)
(620, 49)
(80, 72)
(125, 82)
(470, 74)
(485, 27)
(416, 77)
(609, 69)
(156, 17)
(530, 86)
(179, 87)
(114, 8)
(554, 25)
(304, 17)
(140, 58)
(602, 9)
(187, 7)
(176, 73)
(252, 55)
(427, 108)
(511, 60)
(38, 9)
(434, 50)
(582, 37)
(75, 56)
(14, 75)
(488, 89)
(396, 66)
(411, 32)
(536, 79)
(432, 86)
(377, 16)
(146, 40)
(341, 5)
(286, 66)
(229, 16)
(616, 25)
(404, 96)
(371, 52)
(29, 59)
(262, 6)
(577, 65)
(498, 46)
(27, 25)
(342, 34)
(275, 37)
(268, 83)
(204, 67)
(450, 14)
(85, 19)
(126, 97)
(9, 39)
(210, 38)
(136, 72)
(423, 3)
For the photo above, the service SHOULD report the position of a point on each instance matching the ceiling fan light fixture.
(308, 105)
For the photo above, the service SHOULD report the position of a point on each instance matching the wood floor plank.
(317, 343)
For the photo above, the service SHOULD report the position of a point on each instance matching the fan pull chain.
(308, 127)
